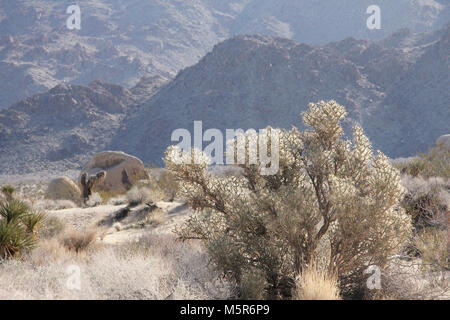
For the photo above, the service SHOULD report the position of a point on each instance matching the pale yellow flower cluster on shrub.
(332, 201)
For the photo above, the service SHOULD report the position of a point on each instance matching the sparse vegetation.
(48, 204)
(433, 247)
(435, 163)
(51, 227)
(330, 202)
(156, 267)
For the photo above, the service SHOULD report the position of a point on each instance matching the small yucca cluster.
(332, 203)
(18, 225)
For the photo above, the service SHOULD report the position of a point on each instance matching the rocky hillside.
(59, 129)
(121, 41)
(397, 88)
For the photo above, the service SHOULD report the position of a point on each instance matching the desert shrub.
(329, 201)
(315, 283)
(94, 200)
(169, 185)
(433, 247)
(78, 241)
(139, 195)
(18, 227)
(426, 201)
(434, 163)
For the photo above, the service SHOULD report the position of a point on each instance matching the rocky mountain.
(121, 41)
(397, 88)
(59, 129)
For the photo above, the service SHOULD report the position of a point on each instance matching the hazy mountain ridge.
(397, 88)
(255, 81)
(121, 41)
(59, 129)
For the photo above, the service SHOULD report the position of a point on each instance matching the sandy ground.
(85, 218)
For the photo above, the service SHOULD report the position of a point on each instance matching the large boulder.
(63, 189)
(444, 140)
(122, 170)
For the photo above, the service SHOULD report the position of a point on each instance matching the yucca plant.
(13, 239)
(8, 191)
(13, 209)
(32, 221)
(18, 225)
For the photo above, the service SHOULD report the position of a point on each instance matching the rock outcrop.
(63, 189)
(122, 170)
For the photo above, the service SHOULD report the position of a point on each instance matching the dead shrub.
(79, 241)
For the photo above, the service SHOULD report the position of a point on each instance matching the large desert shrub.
(331, 201)
(18, 227)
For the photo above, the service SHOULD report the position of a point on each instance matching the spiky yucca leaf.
(13, 239)
(13, 209)
(32, 221)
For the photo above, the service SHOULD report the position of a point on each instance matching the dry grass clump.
(157, 217)
(78, 241)
(314, 283)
